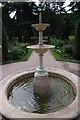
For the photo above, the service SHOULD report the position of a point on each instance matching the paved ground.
(49, 61)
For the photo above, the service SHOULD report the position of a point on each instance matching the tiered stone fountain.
(57, 90)
(41, 82)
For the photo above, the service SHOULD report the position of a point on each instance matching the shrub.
(57, 42)
(68, 49)
(23, 46)
(16, 54)
(71, 40)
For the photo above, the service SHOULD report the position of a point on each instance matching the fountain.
(40, 93)
(41, 82)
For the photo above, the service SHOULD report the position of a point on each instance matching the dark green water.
(22, 96)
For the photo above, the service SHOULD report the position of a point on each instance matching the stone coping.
(9, 111)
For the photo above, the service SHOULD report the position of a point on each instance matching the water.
(22, 96)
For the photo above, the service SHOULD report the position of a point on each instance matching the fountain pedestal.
(41, 82)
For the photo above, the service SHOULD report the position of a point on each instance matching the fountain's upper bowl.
(40, 26)
(40, 49)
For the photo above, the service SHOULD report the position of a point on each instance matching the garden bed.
(18, 53)
(64, 50)
(59, 57)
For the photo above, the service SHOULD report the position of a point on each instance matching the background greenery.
(64, 30)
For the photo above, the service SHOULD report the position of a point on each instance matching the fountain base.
(70, 111)
(41, 82)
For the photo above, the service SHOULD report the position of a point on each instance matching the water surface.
(22, 96)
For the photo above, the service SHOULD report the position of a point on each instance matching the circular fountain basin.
(40, 49)
(10, 85)
(40, 26)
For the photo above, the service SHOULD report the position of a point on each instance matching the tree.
(56, 7)
(49, 17)
(77, 41)
(65, 28)
(26, 37)
(74, 7)
(4, 44)
(25, 12)
(9, 24)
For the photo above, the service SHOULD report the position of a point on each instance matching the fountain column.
(41, 82)
(40, 61)
(40, 44)
(40, 38)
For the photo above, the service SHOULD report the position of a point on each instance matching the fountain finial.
(40, 17)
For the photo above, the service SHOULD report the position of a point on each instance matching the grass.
(24, 58)
(59, 58)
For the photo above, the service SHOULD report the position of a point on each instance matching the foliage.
(51, 20)
(62, 24)
(68, 50)
(23, 58)
(75, 7)
(23, 17)
(57, 42)
(66, 27)
(26, 56)
(26, 37)
(64, 49)
(77, 41)
(17, 52)
(23, 46)
(71, 40)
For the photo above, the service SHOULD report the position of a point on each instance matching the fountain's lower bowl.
(9, 111)
(40, 49)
